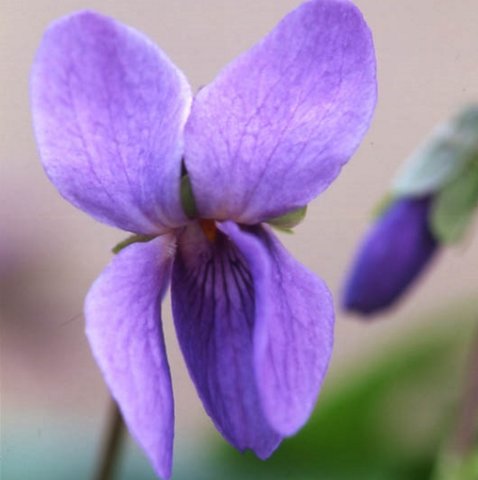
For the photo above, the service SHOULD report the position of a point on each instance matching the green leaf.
(290, 220)
(442, 157)
(188, 201)
(454, 206)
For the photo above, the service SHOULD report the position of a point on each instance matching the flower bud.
(394, 253)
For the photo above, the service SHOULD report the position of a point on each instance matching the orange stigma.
(209, 228)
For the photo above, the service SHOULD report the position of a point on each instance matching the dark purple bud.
(396, 249)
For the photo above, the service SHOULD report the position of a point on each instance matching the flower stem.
(459, 458)
(465, 435)
(112, 444)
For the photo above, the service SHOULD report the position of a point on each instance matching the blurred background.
(394, 382)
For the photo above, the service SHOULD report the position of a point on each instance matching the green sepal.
(285, 223)
(130, 240)
(453, 209)
(188, 201)
(448, 150)
(283, 229)
(383, 205)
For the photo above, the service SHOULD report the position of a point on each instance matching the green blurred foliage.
(451, 467)
(441, 157)
(384, 420)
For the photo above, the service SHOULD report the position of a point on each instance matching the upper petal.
(275, 127)
(213, 306)
(109, 109)
(123, 325)
(294, 328)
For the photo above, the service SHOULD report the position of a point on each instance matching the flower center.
(209, 228)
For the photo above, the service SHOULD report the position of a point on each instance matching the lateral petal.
(213, 307)
(275, 127)
(123, 326)
(109, 109)
(294, 328)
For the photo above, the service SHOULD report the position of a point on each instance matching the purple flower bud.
(394, 253)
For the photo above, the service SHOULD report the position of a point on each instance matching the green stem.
(465, 435)
(112, 445)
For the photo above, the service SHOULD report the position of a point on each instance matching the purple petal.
(393, 254)
(109, 110)
(123, 318)
(276, 126)
(213, 307)
(294, 328)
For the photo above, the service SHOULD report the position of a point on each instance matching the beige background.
(427, 54)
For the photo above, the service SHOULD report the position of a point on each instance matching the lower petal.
(123, 316)
(294, 328)
(214, 307)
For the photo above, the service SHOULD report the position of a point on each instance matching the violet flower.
(394, 253)
(116, 125)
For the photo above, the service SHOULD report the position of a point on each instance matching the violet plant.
(431, 205)
(197, 180)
